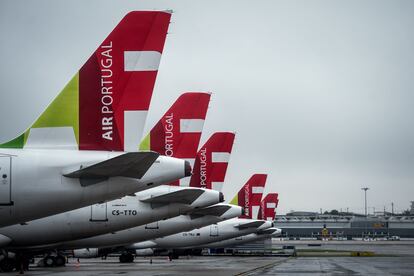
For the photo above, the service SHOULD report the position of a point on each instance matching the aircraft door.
(214, 230)
(5, 180)
(99, 212)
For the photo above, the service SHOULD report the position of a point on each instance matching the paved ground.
(397, 259)
(398, 248)
(341, 266)
(200, 266)
(242, 266)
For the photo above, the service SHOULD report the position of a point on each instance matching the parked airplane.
(210, 167)
(74, 153)
(248, 198)
(267, 211)
(182, 124)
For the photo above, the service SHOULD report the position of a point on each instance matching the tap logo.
(169, 134)
(203, 168)
(106, 91)
(263, 209)
(247, 200)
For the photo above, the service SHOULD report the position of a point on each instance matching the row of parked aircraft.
(80, 178)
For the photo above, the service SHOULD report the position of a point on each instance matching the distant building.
(302, 214)
(346, 226)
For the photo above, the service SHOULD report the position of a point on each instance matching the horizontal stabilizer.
(185, 196)
(253, 224)
(131, 164)
(216, 210)
(268, 231)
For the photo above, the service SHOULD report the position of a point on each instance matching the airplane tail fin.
(268, 206)
(250, 195)
(211, 162)
(178, 132)
(104, 106)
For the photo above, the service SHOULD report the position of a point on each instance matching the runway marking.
(278, 262)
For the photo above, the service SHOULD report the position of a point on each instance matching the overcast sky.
(320, 93)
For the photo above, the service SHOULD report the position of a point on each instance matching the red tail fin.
(250, 195)
(178, 132)
(117, 81)
(104, 106)
(211, 162)
(268, 206)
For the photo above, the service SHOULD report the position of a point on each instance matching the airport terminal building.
(314, 225)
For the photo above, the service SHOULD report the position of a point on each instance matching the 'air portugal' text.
(106, 91)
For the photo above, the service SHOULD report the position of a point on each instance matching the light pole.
(365, 190)
(366, 226)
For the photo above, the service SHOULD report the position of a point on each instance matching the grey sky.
(320, 93)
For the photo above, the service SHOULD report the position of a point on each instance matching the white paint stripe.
(141, 60)
(191, 125)
(134, 122)
(191, 160)
(220, 157)
(255, 211)
(217, 186)
(184, 182)
(52, 138)
(257, 190)
(270, 205)
(269, 218)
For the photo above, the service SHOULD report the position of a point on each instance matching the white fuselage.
(33, 185)
(216, 232)
(155, 230)
(244, 239)
(99, 219)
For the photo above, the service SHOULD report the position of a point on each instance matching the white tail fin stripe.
(257, 190)
(141, 60)
(220, 157)
(191, 125)
(217, 186)
(270, 205)
(52, 137)
(134, 122)
(191, 160)
(184, 182)
(269, 218)
(255, 211)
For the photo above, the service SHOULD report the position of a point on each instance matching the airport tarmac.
(241, 266)
(394, 248)
(340, 266)
(394, 258)
(199, 265)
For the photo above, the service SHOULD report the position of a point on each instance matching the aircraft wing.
(216, 210)
(267, 231)
(186, 196)
(131, 164)
(253, 224)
